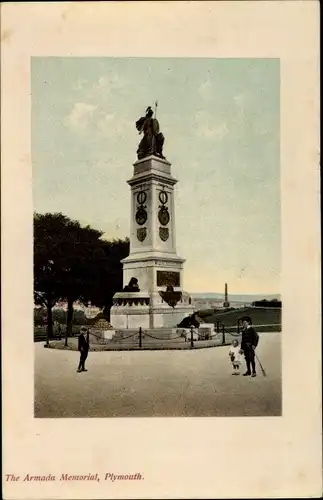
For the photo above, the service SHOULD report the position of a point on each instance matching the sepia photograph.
(156, 195)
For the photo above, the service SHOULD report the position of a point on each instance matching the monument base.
(147, 310)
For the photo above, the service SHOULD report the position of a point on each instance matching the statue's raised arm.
(153, 140)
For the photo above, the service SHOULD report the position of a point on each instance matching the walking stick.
(261, 367)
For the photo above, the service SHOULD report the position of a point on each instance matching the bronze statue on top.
(153, 140)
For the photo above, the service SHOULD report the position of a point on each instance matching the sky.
(220, 119)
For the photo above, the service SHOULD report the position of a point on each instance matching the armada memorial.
(152, 295)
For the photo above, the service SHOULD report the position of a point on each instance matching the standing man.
(83, 347)
(249, 343)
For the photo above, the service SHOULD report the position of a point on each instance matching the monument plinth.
(153, 261)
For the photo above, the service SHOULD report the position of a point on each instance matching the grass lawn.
(259, 316)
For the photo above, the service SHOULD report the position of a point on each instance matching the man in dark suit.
(249, 343)
(83, 347)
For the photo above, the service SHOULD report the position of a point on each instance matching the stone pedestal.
(153, 260)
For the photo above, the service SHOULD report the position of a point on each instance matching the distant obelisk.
(226, 302)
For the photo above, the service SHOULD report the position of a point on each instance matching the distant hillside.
(234, 297)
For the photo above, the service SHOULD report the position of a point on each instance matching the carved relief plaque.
(168, 278)
(141, 233)
(163, 216)
(141, 216)
(164, 233)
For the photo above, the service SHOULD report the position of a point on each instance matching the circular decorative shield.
(141, 233)
(141, 216)
(141, 197)
(163, 216)
(163, 197)
(164, 233)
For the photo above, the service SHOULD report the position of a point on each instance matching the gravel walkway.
(157, 383)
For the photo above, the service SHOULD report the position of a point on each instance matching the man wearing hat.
(249, 342)
(83, 347)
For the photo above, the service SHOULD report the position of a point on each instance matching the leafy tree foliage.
(72, 262)
(105, 274)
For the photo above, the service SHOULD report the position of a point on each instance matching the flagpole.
(154, 138)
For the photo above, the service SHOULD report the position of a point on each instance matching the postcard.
(160, 250)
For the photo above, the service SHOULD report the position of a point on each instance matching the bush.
(268, 303)
(60, 316)
(40, 316)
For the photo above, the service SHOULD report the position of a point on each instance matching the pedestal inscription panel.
(168, 278)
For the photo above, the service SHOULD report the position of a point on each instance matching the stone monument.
(152, 296)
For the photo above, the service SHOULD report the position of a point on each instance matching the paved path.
(156, 383)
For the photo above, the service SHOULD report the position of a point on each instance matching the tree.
(73, 263)
(105, 275)
(62, 252)
(46, 289)
(76, 265)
